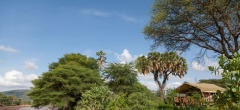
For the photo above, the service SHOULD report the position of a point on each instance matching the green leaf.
(234, 89)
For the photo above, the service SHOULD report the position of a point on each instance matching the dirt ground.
(12, 107)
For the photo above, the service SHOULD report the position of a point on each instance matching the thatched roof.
(203, 87)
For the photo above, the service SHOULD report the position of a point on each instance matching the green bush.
(231, 76)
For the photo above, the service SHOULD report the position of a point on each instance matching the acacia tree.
(65, 82)
(161, 66)
(210, 24)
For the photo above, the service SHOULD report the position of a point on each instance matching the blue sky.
(34, 33)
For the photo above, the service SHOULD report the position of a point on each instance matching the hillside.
(18, 93)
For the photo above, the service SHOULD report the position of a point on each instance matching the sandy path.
(31, 108)
(21, 108)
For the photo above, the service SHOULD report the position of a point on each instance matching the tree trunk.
(161, 90)
(161, 86)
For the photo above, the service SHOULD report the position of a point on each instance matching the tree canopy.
(210, 24)
(162, 65)
(62, 86)
(76, 59)
(9, 100)
(120, 77)
(123, 91)
(97, 98)
(231, 76)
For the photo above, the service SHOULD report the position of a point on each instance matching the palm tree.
(101, 59)
(161, 66)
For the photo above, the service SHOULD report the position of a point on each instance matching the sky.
(35, 33)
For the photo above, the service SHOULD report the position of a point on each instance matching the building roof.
(203, 87)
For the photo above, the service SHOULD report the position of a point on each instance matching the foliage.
(121, 78)
(196, 99)
(62, 86)
(208, 24)
(170, 94)
(218, 82)
(163, 106)
(76, 59)
(162, 65)
(119, 102)
(97, 98)
(142, 101)
(128, 94)
(21, 94)
(231, 76)
(9, 100)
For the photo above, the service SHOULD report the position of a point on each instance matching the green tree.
(8, 100)
(120, 77)
(77, 59)
(98, 98)
(2, 99)
(170, 95)
(231, 76)
(142, 101)
(13, 100)
(161, 66)
(62, 86)
(208, 24)
(119, 102)
(218, 82)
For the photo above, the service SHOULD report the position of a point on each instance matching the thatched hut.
(205, 90)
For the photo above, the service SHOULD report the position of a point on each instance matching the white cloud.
(179, 52)
(94, 12)
(15, 80)
(30, 65)
(148, 81)
(173, 85)
(128, 18)
(125, 56)
(8, 49)
(207, 62)
(211, 63)
(88, 53)
(197, 66)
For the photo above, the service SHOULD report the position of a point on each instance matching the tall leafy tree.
(209, 24)
(120, 77)
(62, 86)
(76, 59)
(161, 66)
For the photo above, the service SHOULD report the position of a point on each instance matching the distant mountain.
(18, 93)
